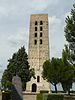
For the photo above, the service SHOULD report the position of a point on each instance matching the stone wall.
(26, 96)
(29, 96)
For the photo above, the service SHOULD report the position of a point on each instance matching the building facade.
(38, 51)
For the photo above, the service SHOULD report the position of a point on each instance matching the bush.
(6, 95)
(55, 97)
(58, 91)
(44, 91)
(40, 96)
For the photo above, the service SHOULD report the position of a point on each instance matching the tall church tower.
(38, 51)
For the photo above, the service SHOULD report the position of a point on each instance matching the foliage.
(60, 71)
(67, 78)
(49, 97)
(19, 65)
(66, 55)
(55, 97)
(52, 91)
(44, 91)
(52, 71)
(70, 32)
(40, 96)
(68, 70)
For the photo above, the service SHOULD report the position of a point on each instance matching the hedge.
(44, 91)
(44, 96)
(55, 97)
(40, 96)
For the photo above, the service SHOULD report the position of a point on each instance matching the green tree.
(67, 73)
(70, 32)
(19, 65)
(66, 79)
(52, 71)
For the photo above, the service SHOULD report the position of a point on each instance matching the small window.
(41, 28)
(41, 23)
(38, 78)
(35, 42)
(35, 34)
(40, 41)
(35, 28)
(35, 22)
(41, 34)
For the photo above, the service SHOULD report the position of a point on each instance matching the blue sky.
(14, 25)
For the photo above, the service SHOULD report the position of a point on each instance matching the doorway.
(34, 87)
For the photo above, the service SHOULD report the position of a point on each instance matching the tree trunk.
(55, 88)
(69, 92)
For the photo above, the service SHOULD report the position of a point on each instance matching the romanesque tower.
(38, 51)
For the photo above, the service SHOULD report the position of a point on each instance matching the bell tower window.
(41, 28)
(41, 34)
(35, 34)
(36, 23)
(35, 42)
(41, 23)
(35, 28)
(38, 79)
(40, 41)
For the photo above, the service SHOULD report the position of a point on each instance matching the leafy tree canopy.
(52, 70)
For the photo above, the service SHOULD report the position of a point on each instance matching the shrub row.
(55, 97)
(44, 91)
(43, 95)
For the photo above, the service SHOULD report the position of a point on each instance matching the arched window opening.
(36, 23)
(38, 78)
(40, 41)
(41, 23)
(35, 42)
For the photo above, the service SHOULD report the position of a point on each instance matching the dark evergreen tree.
(70, 37)
(70, 33)
(19, 65)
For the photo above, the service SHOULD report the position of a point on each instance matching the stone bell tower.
(38, 51)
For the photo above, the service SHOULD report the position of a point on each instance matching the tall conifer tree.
(70, 32)
(19, 65)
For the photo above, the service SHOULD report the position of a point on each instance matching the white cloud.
(56, 36)
(55, 24)
(18, 7)
(42, 4)
(18, 39)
